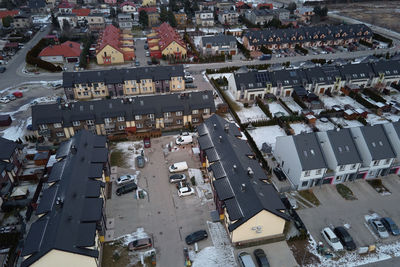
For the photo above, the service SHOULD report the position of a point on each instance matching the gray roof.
(343, 146)
(34, 4)
(231, 173)
(252, 80)
(218, 40)
(114, 76)
(71, 207)
(356, 71)
(111, 108)
(387, 67)
(309, 151)
(7, 148)
(288, 77)
(377, 142)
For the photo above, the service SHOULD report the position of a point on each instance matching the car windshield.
(180, 139)
(381, 228)
(347, 239)
(335, 240)
(394, 227)
(173, 167)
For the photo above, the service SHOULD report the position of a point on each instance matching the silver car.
(378, 228)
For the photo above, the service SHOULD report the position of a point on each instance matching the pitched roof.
(309, 151)
(109, 36)
(377, 142)
(34, 4)
(66, 49)
(110, 108)
(344, 147)
(66, 4)
(148, 9)
(82, 12)
(70, 207)
(244, 194)
(7, 148)
(166, 35)
(127, 3)
(218, 40)
(387, 67)
(6, 13)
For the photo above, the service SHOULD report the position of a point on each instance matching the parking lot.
(162, 214)
(336, 211)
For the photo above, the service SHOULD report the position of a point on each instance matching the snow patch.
(266, 134)
(253, 113)
(301, 127)
(138, 234)
(203, 189)
(324, 126)
(276, 107)
(131, 151)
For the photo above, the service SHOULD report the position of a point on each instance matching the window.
(90, 122)
(139, 125)
(138, 117)
(179, 121)
(167, 114)
(76, 123)
(319, 171)
(376, 162)
(43, 127)
(387, 161)
(195, 111)
(194, 120)
(57, 125)
(206, 111)
(121, 127)
(120, 119)
(150, 116)
(353, 166)
(60, 134)
(108, 120)
(342, 167)
(178, 113)
(305, 183)
(307, 173)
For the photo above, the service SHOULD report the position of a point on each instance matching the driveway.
(336, 211)
(162, 214)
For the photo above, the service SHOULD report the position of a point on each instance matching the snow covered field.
(250, 114)
(276, 107)
(301, 127)
(329, 102)
(347, 123)
(266, 134)
(324, 126)
(374, 119)
(293, 106)
(131, 150)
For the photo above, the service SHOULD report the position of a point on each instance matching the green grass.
(309, 195)
(345, 192)
(118, 159)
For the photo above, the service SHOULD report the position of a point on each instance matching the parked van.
(178, 167)
(245, 260)
(184, 140)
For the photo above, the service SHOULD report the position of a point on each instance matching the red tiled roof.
(270, 6)
(6, 13)
(127, 3)
(81, 12)
(148, 9)
(241, 3)
(167, 35)
(109, 36)
(67, 49)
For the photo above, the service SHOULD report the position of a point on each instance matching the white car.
(185, 191)
(126, 179)
(4, 100)
(331, 239)
(378, 228)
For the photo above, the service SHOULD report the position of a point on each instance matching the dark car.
(190, 85)
(126, 189)
(345, 238)
(140, 161)
(196, 236)
(146, 142)
(140, 244)
(390, 226)
(261, 258)
(188, 80)
(149, 63)
(279, 174)
(177, 178)
(2, 69)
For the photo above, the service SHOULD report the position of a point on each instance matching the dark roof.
(114, 76)
(309, 151)
(111, 108)
(34, 4)
(288, 77)
(231, 173)
(377, 142)
(387, 67)
(252, 80)
(343, 146)
(70, 205)
(7, 148)
(356, 71)
(218, 40)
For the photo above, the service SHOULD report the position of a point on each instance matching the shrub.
(374, 96)
(193, 180)
(384, 39)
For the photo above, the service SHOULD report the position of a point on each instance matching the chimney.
(215, 126)
(234, 167)
(73, 149)
(243, 187)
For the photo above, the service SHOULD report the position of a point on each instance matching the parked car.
(140, 161)
(147, 53)
(331, 239)
(177, 178)
(4, 100)
(126, 179)
(261, 258)
(178, 167)
(140, 244)
(190, 86)
(11, 97)
(188, 80)
(279, 174)
(137, 63)
(345, 238)
(146, 47)
(18, 94)
(146, 142)
(390, 226)
(126, 188)
(196, 237)
(185, 191)
(245, 260)
(2, 69)
(378, 228)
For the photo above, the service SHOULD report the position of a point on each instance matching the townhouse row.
(123, 82)
(119, 116)
(318, 80)
(337, 156)
(309, 36)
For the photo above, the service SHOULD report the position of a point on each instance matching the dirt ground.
(302, 254)
(382, 13)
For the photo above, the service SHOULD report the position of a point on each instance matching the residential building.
(360, 74)
(242, 7)
(82, 15)
(323, 80)
(154, 18)
(218, 45)
(110, 2)
(39, 6)
(204, 18)
(181, 18)
(123, 82)
(207, 6)
(392, 131)
(65, 52)
(375, 150)
(307, 36)
(149, 3)
(251, 210)
(71, 19)
(10, 161)
(304, 13)
(341, 155)
(166, 41)
(386, 72)
(22, 21)
(119, 116)
(300, 157)
(96, 22)
(125, 21)
(65, 7)
(128, 7)
(71, 226)
(114, 47)
(228, 17)
(8, 13)
(259, 16)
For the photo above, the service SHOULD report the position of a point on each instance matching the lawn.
(118, 159)
(309, 195)
(345, 192)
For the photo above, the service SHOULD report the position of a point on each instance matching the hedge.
(357, 97)
(363, 42)
(381, 38)
(263, 107)
(299, 101)
(33, 59)
(374, 96)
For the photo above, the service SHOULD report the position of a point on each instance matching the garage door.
(72, 59)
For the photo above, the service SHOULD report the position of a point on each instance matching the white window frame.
(107, 120)
(307, 173)
(121, 118)
(90, 122)
(57, 125)
(121, 127)
(138, 117)
(195, 111)
(43, 127)
(178, 113)
(60, 134)
(139, 125)
(76, 123)
(206, 111)
(167, 114)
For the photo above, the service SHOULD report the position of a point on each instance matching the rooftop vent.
(59, 202)
(226, 127)
(215, 126)
(234, 167)
(220, 138)
(250, 172)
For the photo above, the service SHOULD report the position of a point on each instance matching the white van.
(178, 167)
(184, 140)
